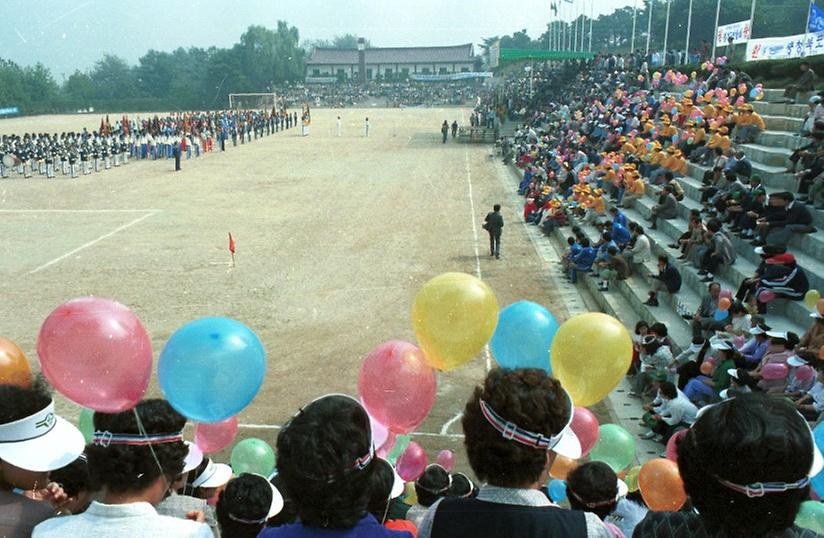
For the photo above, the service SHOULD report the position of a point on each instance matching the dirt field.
(334, 236)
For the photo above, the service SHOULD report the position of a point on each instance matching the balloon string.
(143, 432)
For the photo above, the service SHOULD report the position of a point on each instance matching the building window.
(387, 72)
(443, 71)
(405, 71)
(315, 72)
(340, 72)
(425, 70)
(464, 70)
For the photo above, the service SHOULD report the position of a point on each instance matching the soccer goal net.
(256, 101)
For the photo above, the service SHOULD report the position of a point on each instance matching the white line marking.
(450, 422)
(90, 243)
(79, 210)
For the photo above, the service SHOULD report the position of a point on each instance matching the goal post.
(256, 101)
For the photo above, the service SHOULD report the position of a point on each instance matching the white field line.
(91, 243)
(79, 210)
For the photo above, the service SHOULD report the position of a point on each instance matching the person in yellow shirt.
(669, 165)
(596, 206)
(634, 191)
(749, 125)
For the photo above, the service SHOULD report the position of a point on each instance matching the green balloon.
(86, 424)
(811, 516)
(253, 456)
(615, 447)
(401, 442)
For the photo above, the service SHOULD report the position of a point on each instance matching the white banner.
(738, 31)
(781, 48)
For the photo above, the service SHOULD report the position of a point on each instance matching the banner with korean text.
(782, 48)
(739, 32)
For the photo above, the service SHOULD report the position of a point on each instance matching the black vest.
(471, 518)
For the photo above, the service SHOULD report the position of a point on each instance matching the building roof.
(393, 55)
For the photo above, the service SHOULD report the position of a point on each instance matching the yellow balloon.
(454, 316)
(590, 354)
(411, 496)
(811, 298)
(632, 478)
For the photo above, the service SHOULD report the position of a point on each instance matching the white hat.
(193, 458)
(40, 442)
(213, 476)
(722, 345)
(777, 334)
(733, 372)
(816, 315)
(623, 489)
(277, 502)
(757, 330)
(398, 484)
(796, 361)
(759, 251)
(695, 348)
(724, 394)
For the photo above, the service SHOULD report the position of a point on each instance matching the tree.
(79, 88)
(113, 79)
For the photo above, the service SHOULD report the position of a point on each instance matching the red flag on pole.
(231, 243)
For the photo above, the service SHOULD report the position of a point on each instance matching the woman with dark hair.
(746, 465)
(433, 484)
(706, 387)
(246, 504)
(33, 442)
(326, 461)
(135, 457)
(655, 357)
(514, 428)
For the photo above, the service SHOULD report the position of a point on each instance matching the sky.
(66, 35)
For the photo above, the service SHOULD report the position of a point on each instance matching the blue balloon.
(523, 336)
(753, 93)
(818, 480)
(211, 368)
(557, 491)
(720, 315)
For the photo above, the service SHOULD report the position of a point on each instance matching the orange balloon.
(661, 485)
(820, 306)
(724, 304)
(14, 368)
(562, 466)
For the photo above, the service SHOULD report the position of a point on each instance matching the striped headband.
(759, 489)
(512, 432)
(107, 438)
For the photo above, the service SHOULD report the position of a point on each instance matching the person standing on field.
(366, 126)
(445, 130)
(337, 125)
(494, 224)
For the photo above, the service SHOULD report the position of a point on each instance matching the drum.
(8, 161)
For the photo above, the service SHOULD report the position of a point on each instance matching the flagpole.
(591, 18)
(666, 29)
(715, 31)
(575, 26)
(689, 27)
(807, 26)
(649, 26)
(752, 17)
(634, 17)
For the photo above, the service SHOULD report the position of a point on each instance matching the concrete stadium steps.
(778, 139)
(771, 176)
(765, 108)
(783, 123)
(768, 155)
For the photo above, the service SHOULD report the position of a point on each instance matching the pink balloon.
(775, 371)
(412, 462)
(765, 296)
(726, 293)
(804, 373)
(216, 436)
(380, 433)
(585, 425)
(672, 448)
(386, 448)
(397, 386)
(96, 353)
(446, 459)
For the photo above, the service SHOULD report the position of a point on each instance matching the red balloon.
(585, 425)
(96, 353)
(446, 459)
(412, 462)
(216, 436)
(672, 447)
(774, 371)
(397, 385)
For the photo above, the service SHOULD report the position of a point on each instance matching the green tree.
(113, 79)
(79, 88)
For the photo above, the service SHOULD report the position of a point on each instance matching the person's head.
(121, 468)
(246, 504)
(641, 328)
(730, 40)
(714, 289)
(738, 447)
(33, 440)
(667, 390)
(386, 485)
(585, 242)
(496, 207)
(650, 344)
(668, 177)
(432, 484)
(570, 241)
(713, 225)
(527, 402)
(74, 479)
(804, 66)
(462, 487)
(663, 261)
(612, 251)
(206, 480)
(613, 211)
(593, 487)
(326, 461)
(659, 330)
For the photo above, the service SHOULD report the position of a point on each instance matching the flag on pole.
(231, 243)
(554, 8)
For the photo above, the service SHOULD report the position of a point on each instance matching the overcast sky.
(72, 34)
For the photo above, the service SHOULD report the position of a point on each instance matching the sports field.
(334, 237)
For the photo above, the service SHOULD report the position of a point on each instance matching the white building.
(390, 63)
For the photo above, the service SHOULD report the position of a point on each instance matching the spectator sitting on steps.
(668, 279)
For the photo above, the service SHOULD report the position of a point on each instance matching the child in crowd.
(245, 505)
(433, 484)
